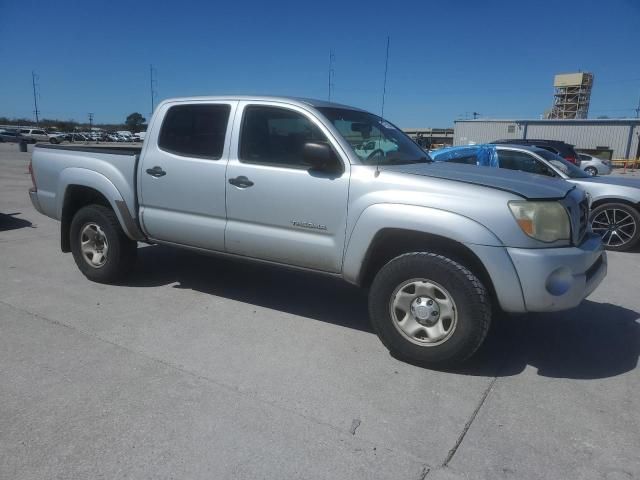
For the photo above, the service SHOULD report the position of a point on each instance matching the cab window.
(196, 130)
(276, 136)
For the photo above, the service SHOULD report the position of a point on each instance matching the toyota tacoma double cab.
(335, 190)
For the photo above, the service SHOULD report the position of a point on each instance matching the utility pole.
(35, 97)
(638, 109)
(384, 86)
(332, 58)
(151, 85)
(90, 122)
(475, 115)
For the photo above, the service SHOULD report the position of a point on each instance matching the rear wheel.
(429, 309)
(591, 171)
(100, 248)
(618, 224)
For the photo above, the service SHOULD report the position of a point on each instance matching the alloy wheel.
(616, 227)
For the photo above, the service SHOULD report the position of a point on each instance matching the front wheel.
(429, 309)
(618, 224)
(100, 248)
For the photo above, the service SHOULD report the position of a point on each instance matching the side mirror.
(320, 156)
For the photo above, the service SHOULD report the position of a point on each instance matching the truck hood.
(526, 185)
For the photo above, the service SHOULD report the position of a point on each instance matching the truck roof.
(298, 101)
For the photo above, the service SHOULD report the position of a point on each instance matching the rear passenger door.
(181, 185)
(279, 209)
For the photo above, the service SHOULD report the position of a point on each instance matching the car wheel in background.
(618, 224)
(429, 309)
(591, 171)
(54, 141)
(100, 247)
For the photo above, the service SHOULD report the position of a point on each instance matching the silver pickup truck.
(336, 190)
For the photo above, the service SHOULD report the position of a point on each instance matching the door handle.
(156, 172)
(241, 182)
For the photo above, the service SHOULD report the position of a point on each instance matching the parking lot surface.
(198, 367)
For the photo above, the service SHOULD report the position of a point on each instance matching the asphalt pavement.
(198, 367)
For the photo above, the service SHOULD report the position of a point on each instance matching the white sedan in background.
(594, 165)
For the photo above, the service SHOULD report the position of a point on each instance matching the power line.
(35, 96)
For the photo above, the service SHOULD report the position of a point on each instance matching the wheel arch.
(390, 243)
(602, 201)
(81, 187)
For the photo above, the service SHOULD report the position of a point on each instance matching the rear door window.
(196, 130)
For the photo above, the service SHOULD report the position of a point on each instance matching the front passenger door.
(278, 208)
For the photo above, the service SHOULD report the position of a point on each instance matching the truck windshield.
(568, 168)
(374, 140)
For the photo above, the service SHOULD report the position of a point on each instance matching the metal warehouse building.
(607, 138)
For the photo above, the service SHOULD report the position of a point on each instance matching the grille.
(583, 221)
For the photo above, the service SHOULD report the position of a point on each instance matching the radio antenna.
(384, 85)
(332, 59)
(384, 93)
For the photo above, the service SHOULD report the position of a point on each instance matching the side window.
(276, 136)
(550, 149)
(524, 162)
(25, 131)
(468, 160)
(195, 130)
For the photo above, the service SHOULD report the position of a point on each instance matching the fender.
(409, 217)
(486, 246)
(100, 183)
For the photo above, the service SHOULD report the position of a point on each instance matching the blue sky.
(447, 59)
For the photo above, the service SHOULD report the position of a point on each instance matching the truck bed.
(109, 169)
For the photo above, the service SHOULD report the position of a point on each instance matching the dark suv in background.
(565, 150)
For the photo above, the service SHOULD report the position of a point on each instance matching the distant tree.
(134, 122)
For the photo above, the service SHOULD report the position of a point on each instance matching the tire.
(468, 324)
(593, 171)
(618, 224)
(110, 264)
(53, 141)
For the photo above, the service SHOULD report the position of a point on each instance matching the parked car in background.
(565, 150)
(282, 180)
(56, 138)
(139, 137)
(10, 136)
(126, 135)
(594, 165)
(615, 208)
(79, 137)
(34, 135)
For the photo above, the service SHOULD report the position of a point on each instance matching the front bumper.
(559, 278)
(33, 195)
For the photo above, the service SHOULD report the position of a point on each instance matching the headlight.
(544, 221)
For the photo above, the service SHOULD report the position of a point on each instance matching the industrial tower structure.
(572, 95)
